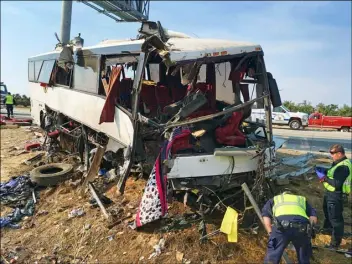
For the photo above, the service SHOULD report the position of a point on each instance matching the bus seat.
(163, 97)
(230, 134)
(208, 108)
(148, 101)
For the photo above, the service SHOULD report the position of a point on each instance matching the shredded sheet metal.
(299, 161)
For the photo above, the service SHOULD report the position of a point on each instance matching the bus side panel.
(82, 107)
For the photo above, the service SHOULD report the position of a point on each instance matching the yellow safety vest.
(289, 204)
(9, 99)
(346, 187)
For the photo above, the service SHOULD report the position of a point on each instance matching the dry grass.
(45, 237)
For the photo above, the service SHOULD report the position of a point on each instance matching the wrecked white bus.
(167, 100)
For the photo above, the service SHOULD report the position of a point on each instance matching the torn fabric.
(153, 205)
(229, 224)
(108, 112)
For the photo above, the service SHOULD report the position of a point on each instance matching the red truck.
(340, 123)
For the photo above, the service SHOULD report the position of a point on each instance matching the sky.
(307, 45)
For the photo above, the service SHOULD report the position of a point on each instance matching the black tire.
(295, 124)
(345, 129)
(51, 174)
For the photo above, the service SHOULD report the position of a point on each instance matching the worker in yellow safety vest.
(9, 101)
(337, 184)
(293, 218)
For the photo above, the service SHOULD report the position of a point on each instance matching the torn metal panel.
(279, 142)
(295, 173)
(207, 117)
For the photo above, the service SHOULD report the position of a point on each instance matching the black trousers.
(9, 108)
(279, 240)
(333, 208)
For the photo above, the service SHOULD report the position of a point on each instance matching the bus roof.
(181, 48)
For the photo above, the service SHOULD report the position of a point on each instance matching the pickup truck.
(282, 116)
(340, 123)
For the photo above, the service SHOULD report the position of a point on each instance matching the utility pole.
(66, 21)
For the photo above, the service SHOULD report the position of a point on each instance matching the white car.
(282, 116)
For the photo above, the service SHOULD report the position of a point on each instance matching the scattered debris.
(96, 197)
(32, 146)
(179, 257)
(33, 159)
(158, 248)
(282, 181)
(76, 213)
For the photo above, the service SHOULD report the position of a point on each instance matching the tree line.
(22, 100)
(329, 110)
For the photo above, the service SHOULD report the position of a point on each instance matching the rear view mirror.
(274, 91)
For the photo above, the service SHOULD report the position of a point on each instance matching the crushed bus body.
(165, 104)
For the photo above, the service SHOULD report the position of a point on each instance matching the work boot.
(331, 246)
(325, 231)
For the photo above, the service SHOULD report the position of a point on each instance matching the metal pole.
(66, 21)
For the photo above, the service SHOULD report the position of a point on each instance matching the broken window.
(202, 76)
(154, 72)
(224, 90)
(86, 74)
(63, 76)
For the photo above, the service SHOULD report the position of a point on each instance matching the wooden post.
(96, 197)
(94, 168)
(257, 210)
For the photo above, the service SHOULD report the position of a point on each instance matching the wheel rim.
(295, 125)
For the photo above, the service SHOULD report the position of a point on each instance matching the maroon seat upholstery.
(230, 134)
(147, 96)
(163, 97)
(210, 106)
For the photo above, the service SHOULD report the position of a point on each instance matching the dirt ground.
(51, 237)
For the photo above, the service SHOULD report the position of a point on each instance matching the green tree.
(330, 110)
(345, 110)
(290, 106)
